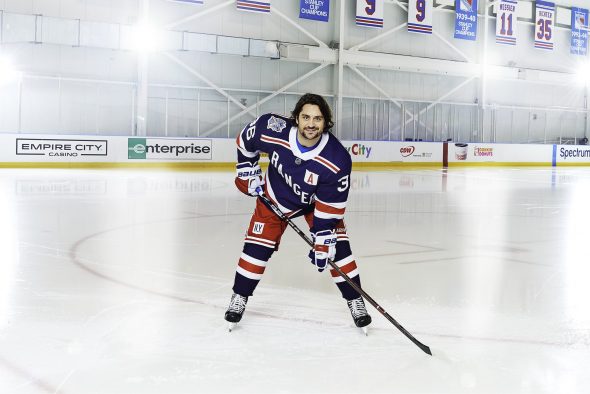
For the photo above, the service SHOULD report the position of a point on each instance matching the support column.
(142, 79)
(483, 75)
(341, 24)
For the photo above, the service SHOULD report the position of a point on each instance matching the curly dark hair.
(314, 99)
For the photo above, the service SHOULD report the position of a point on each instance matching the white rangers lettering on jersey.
(274, 161)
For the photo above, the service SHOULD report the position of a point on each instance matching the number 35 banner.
(545, 15)
(420, 16)
(506, 22)
(369, 13)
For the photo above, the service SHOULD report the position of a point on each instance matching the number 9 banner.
(420, 16)
(544, 22)
(369, 13)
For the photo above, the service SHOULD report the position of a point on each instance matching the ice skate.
(235, 310)
(359, 313)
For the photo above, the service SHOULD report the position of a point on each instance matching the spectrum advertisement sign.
(571, 154)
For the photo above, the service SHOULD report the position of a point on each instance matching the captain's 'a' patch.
(276, 124)
(311, 178)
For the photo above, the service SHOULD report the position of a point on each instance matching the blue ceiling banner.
(317, 10)
(466, 19)
(579, 41)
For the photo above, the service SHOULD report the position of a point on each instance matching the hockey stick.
(367, 297)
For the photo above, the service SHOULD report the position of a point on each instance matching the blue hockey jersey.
(298, 181)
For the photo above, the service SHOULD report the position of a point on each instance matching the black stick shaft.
(367, 297)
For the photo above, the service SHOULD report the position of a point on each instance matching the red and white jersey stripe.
(276, 141)
(327, 163)
(329, 210)
(250, 267)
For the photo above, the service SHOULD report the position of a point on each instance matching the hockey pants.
(262, 240)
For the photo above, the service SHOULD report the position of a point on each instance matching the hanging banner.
(420, 16)
(506, 22)
(579, 41)
(317, 10)
(189, 1)
(544, 23)
(466, 19)
(369, 13)
(254, 6)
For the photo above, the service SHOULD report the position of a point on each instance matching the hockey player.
(309, 175)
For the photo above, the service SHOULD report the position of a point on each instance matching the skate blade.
(365, 330)
(231, 326)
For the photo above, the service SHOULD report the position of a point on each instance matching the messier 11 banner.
(506, 22)
(466, 19)
(420, 16)
(544, 23)
(579, 41)
(369, 13)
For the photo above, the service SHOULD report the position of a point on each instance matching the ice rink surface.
(117, 281)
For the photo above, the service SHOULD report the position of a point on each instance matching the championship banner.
(317, 10)
(253, 6)
(579, 41)
(420, 16)
(466, 19)
(369, 13)
(544, 22)
(506, 22)
(188, 1)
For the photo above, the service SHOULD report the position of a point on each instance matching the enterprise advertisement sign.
(169, 149)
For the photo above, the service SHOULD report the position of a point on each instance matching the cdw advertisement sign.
(388, 151)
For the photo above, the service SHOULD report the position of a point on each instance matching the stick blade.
(425, 349)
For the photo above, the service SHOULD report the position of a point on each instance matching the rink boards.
(35, 150)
